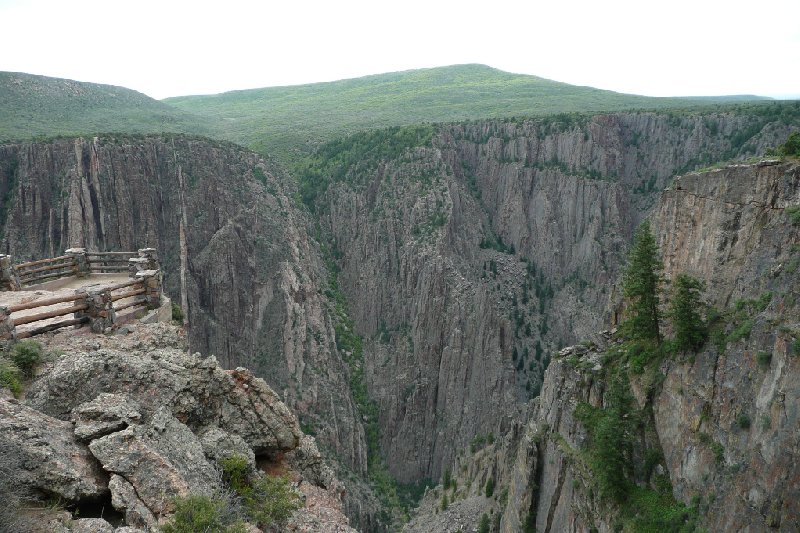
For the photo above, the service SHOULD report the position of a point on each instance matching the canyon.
(425, 298)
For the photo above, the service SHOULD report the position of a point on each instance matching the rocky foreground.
(118, 426)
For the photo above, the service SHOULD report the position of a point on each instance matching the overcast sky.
(175, 47)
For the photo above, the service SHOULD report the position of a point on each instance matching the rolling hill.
(280, 120)
(33, 106)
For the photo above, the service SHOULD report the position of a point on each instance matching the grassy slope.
(280, 120)
(41, 106)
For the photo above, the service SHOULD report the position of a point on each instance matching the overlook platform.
(81, 289)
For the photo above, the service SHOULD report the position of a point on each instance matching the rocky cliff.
(466, 259)
(234, 247)
(715, 430)
(116, 428)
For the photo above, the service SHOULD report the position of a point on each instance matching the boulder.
(125, 500)
(218, 445)
(200, 394)
(46, 456)
(162, 459)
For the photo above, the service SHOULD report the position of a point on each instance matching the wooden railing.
(43, 270)
(19, 321)
(137, 288)
(106, 262)
(94, 305)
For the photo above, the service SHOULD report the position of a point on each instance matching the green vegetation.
(791, 148)
(484, 526)
(202, 513)
(26, 355)
(18, 364)
(10, 376)
(285, 120)
(689, 327)
(640, 285)
(40, 106)
(743, 421)
(267, 500)
(764, 359)
(793, 213)
(333, 161)
(489, 489)
(177, 312)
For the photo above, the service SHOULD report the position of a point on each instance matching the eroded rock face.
(725, 418)
(46, 455)
(196, 391)
(162, 459)
(445, 314)
(107, 413)
(154, 427)
(250, 275)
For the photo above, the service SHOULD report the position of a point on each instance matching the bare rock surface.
(162, 459)
(197, 391)
(105, 414)
(46, 455)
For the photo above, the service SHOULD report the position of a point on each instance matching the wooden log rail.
(33, 272)
(109, 261)
(96, 306)
(138, 288)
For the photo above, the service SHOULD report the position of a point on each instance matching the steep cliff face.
(720, 423)
(728, 419)
(230, 240)
(465, 262)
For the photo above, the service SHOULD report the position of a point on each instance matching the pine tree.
(690, 329)
(640, 285)
(484, 525)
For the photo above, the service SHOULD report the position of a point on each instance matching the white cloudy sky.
(174, 47)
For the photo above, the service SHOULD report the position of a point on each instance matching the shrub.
(792, 146)
(26, 355)
(202, 513)
(489, 487)
(9, 376)
(794, 215)
(764, 359)
(484, 524)
(742, 332)
(743, 421)
(796, 347)
(267, 500)
(177, 312)
(271, 500)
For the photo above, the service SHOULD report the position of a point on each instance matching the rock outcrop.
(233, 245)
(138, 426)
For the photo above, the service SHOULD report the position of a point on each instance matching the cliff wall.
(718, 425)
(230, 239)
(465, 262)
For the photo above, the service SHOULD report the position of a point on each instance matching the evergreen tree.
(690, 329)
(489, 487)
(484, 524)
(640, 285)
